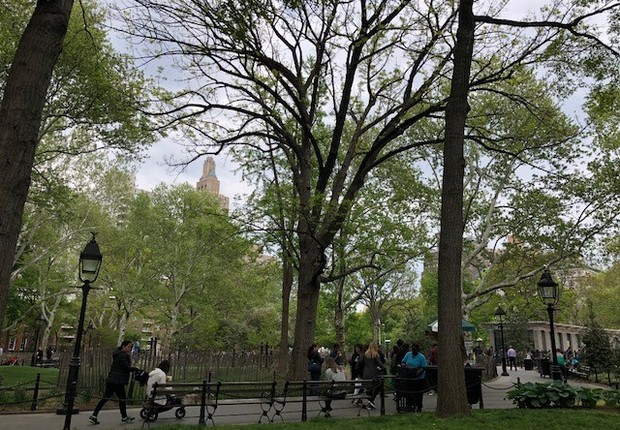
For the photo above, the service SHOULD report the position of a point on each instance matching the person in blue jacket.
(415, 363)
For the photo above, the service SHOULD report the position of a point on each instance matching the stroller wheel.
(152, 417)
(143, 413)
(180, 413)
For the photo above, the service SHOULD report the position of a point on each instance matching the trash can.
(473, 382)
(405, 388)
(528, 364)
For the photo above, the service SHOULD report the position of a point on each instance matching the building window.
(12, 344)
(530, 339)
(23, 344)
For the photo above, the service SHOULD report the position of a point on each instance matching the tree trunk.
(122, 328)
(339, 317)
(311, 265)
(287, 286)
(451, 376)
(20, 120)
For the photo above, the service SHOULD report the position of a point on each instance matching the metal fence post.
(304, 408)
(203, 402)
(35, 394)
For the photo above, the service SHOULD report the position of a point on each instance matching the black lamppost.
(90, 262)
(89, 330)
(500, 314)
(549, 292)
(38, 323)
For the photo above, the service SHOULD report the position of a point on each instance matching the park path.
(493, 394)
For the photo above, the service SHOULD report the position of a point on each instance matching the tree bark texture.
(287, 286)
(311, 265)
(20, 119)
(451, 375)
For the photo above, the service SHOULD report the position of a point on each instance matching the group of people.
(370, 363)
(365, 363)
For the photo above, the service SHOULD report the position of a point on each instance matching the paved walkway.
(493, 394)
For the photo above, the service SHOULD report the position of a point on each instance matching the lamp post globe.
(90, 263)
(549, 292)
(500, 314)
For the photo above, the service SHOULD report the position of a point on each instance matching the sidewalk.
(493, 394)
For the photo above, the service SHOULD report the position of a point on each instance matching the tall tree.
(334, 114)
(451, 233)
(597, 351)
(90, 104)
(20, 119)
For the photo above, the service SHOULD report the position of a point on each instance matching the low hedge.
(560, 395)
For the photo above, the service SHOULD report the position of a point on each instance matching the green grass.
(12, 376)
(505, 419)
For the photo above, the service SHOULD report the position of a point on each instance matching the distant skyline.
(153, 171)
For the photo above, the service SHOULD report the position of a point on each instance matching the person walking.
(337, 355)
(115, 383)
(372, 367)
(356, 368)
(561, 363)
(433, 360)
(512, 357)
(315, 366)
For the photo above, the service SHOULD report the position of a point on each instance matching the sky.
(154, 170)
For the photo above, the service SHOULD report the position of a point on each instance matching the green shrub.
(559, 395)
(86, 394)
(589, 397)
(5, 397)
(611, 397)
(539, 395)
(20, 397)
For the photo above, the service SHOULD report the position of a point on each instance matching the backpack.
(142, 377)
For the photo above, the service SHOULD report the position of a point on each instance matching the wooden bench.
(48, 363)
(211, 395)
(304, 392)
(260, 393)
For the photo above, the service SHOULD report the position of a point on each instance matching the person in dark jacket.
(116, 381)
(372, 367)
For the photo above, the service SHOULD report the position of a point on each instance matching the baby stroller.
(151, 410)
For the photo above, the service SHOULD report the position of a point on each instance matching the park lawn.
(497, 419)
(11, 376)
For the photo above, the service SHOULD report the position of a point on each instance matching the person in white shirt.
(159, 376)
(512, 357)
(334, 372)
